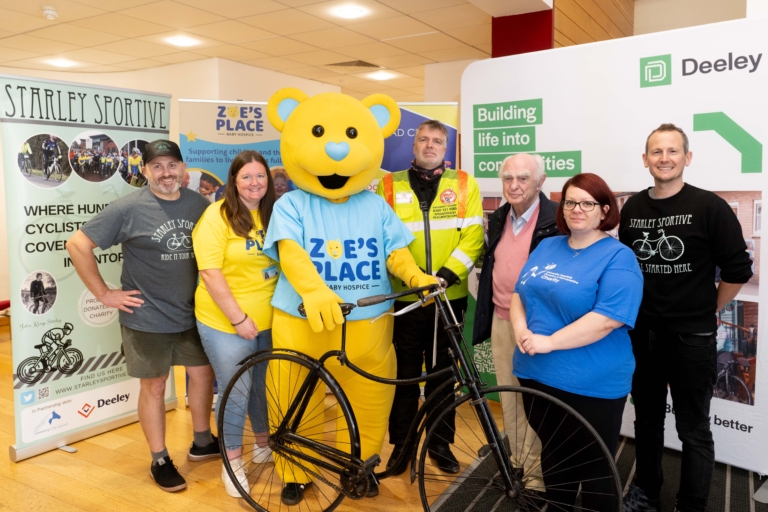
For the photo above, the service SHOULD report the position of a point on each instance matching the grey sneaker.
(636, 501)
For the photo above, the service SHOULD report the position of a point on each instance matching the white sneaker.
(238, 466)
(262, 455)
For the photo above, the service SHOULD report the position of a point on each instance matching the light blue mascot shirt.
(348, 243)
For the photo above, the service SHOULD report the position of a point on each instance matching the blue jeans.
(225, 350)
(687, 364)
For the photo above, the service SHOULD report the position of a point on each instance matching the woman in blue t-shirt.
(576, 298)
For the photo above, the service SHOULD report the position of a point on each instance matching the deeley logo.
(655, 71)
(87, 409)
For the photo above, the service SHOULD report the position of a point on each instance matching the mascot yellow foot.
(335, 242)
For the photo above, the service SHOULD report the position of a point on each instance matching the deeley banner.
(213, 132)
(66, 150)
(590, 108)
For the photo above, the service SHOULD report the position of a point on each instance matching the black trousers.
(687, 364)
(569, 456)
(414, 341)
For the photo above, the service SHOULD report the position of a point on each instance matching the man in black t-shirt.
(680, 234)
(37, 292)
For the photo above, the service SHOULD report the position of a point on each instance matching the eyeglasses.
(586, 206)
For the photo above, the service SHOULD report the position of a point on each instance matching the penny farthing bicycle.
(314, 436)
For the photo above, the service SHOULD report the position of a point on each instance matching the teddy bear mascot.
(335, 242)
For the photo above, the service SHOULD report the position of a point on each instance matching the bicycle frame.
(464, 372)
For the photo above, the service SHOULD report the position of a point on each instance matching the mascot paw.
(322, 307)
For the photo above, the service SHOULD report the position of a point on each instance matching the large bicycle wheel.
(26, 167)
(671, 248)
(30, 370)
(642, 249)
(58, 174)
(70, 361)
(282, 386)
(733, 389)
(560, 461)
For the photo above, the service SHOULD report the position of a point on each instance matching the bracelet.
(241, 321)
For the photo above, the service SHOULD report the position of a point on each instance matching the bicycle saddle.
(743, 361)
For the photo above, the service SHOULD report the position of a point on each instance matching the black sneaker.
(637, 501)
(293, 493)
(167, 476)
(212, 451)
(396, 452)
(443, 458)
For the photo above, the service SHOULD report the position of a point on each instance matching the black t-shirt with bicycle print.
(678, 242)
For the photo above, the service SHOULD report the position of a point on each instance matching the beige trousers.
(524, 443)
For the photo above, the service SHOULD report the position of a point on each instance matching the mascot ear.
(281, 104)
(386, 112)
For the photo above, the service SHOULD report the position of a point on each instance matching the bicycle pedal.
(485, 450)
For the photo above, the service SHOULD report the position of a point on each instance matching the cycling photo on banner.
(43, 160)
(38, 292)
(94, 156)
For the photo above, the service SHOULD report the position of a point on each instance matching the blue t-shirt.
(557, 287)
(348, 243)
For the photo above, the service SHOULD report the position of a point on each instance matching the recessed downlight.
(350, 12)
(61, 63)
(381, 75)
(183, 41)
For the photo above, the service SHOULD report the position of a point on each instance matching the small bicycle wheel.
(30, 370)
(733, 389)
(70, 361)
(559, 460)
(26, 168)
(266, 388)
(58, 174)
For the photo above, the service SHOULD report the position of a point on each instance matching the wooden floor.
(110, 472)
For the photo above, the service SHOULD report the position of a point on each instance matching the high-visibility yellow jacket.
(455, 225)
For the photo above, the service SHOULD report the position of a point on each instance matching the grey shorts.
(149, 355)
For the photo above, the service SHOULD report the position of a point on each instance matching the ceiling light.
(381, 75)
(50, 13)
(61, 63)
(350, 12)
(183, 41)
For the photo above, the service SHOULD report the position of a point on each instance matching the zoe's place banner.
(590, 108)
(213, 132)
(65, 157)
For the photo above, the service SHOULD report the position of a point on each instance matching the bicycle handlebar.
(378, 299)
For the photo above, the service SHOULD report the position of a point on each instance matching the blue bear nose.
(337, 151)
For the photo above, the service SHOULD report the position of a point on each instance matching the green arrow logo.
(751, 150)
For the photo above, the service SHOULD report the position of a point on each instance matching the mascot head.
(332, 144)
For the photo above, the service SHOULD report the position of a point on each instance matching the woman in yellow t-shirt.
(232, 301)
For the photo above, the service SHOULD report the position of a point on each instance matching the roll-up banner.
(590, 108)
(65, 157)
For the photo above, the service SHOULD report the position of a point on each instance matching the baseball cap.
(162, 148)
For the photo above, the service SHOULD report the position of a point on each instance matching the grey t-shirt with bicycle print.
(158, 260)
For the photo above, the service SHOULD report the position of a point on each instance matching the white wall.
(202, 79)
(756, 8)
(442, 81)
(659, 15)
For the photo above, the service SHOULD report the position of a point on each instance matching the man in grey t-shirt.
(156, 298)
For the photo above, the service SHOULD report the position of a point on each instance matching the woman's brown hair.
(234, 210)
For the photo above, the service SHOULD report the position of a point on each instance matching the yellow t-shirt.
(134, 160)
(251, 274)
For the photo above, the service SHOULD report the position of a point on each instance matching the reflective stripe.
(389, 195)
(472, 221)
(463, 258)
(413, 227)
(462, 194)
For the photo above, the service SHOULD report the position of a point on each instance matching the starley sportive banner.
(590, 108)
(213, 132)
(68, 151)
